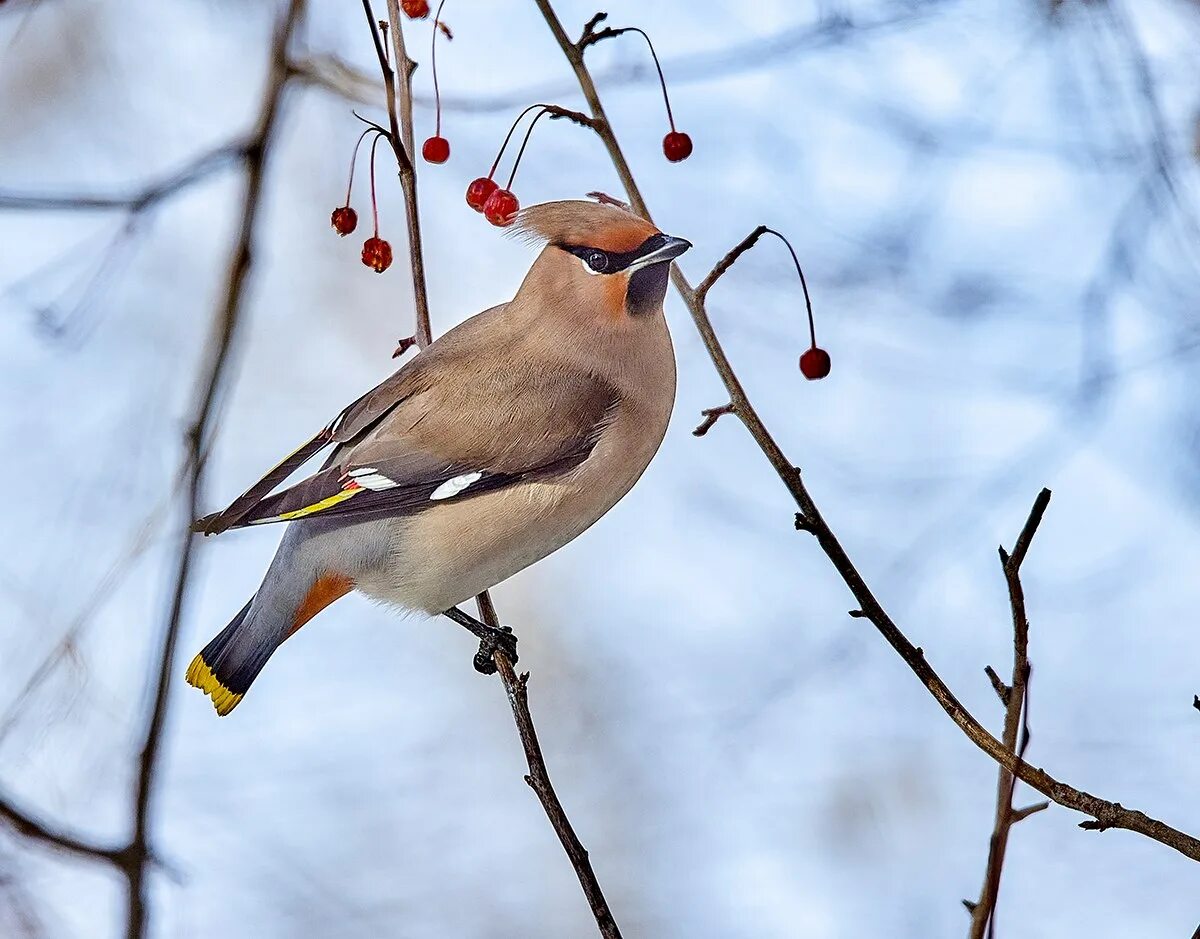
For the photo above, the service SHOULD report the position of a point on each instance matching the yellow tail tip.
(199, 675)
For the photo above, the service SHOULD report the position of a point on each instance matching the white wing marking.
(370, 478)
(452, 487)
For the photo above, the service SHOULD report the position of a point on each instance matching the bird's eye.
(597, 261)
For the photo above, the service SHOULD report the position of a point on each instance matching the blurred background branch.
(135, 857)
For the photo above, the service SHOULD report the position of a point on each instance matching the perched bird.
(493, 447)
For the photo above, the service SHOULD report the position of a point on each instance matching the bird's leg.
(490, 639)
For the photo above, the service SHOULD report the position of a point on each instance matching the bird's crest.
(577, 222)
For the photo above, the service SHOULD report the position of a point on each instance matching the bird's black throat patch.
(647, 288)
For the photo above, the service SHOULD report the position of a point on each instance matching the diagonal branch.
(1016, 708)
(1102, 813)
(539, 780)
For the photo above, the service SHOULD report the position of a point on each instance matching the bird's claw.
(501, 639)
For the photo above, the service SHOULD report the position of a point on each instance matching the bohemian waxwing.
(496, 445)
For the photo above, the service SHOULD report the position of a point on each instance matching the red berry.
(436, 150)
(814, 364)
(377, 254)
(344, 220)
(479, 190)
(415, 9)
(677, 146)
(501, 208)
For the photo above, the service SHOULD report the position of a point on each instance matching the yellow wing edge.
(340, 496)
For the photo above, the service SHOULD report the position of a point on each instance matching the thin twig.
(711, 416)
(1104, 814)
(1003, 692)
(1016, 706)
(1019, 815)
(398, 88)
(539, 780)
(210, 383)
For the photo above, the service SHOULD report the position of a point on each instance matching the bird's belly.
(448, 554)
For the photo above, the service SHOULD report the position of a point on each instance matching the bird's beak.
(668, 251)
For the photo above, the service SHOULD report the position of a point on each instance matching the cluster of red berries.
(500, 206)
(376, 252)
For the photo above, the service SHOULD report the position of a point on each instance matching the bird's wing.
(447, 432)
(354, 421)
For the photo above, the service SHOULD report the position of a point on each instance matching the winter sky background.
(1009, 292)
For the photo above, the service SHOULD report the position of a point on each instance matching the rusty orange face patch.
(621, 237)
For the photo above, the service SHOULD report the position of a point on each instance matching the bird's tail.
(229, 662)
(226, 667)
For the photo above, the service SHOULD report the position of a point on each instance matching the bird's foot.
(491, 640)
(502, 640)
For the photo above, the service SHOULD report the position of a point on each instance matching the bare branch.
(1108, 814)
(539, 780)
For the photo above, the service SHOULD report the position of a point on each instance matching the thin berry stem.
(661, 79)
(812, 329)
(354, 160)
(374, 206)
(524, 143)
(508, 137)
(437, 94)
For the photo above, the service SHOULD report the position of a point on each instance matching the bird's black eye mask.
(611, 262)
